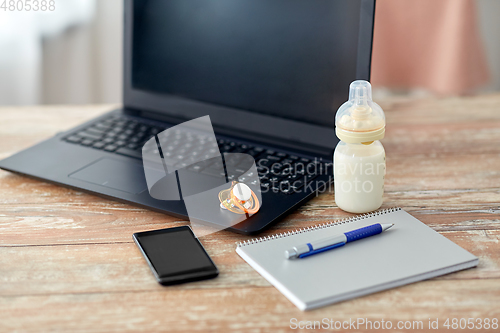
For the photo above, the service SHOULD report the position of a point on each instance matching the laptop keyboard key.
(155, 130)
(265, 186)
(226, 148)
(274, 179)
(110, 148)
(135, 139)
(262, 171)
(195, 168)
(213, 172)
(310, 177)
(89, 136)
(245, 147)
(98, 145)
(253, 152)
(282, 155)
(73, 139)
(133, 146)
(238, 150)
(293, 177)
(87, 142)
(120, 143)
(102, 127)
(272, 158)
(129, 152)
(95, 131)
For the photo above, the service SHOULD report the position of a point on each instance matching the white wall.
(84, 64)
(489, 18)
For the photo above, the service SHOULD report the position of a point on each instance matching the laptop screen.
(292, 59)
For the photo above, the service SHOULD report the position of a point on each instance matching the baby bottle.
(359, 158)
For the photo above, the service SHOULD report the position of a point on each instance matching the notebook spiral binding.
(318, 226)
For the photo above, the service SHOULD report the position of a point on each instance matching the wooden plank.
(34, 212)
(25, 121)
(257, 309)
(404, 173)
(462, 138)
(443, 172)
(120, 267)
(445, 111)
(81, 218)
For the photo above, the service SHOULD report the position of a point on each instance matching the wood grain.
(239, 309)
(68, 263)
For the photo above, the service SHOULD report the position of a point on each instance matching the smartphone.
(175, 255)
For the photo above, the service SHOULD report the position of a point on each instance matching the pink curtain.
(429, 44)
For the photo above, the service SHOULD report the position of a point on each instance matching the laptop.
(270, 74)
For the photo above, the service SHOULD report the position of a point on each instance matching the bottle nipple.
(360, 119)
(361, 108)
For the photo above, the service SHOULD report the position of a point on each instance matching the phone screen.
(175, 255)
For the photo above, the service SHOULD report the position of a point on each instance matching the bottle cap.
(360, 120)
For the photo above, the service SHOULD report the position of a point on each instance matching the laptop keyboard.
(279, 172)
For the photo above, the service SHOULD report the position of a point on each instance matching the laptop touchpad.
(127, 176)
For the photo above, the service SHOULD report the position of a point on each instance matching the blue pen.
(330, 243)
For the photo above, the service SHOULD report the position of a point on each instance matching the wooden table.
(68, 263)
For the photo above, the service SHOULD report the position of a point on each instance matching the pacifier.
(239, 199)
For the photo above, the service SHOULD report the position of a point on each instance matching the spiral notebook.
(408, 252)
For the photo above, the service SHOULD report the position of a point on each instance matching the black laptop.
(269, 73)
